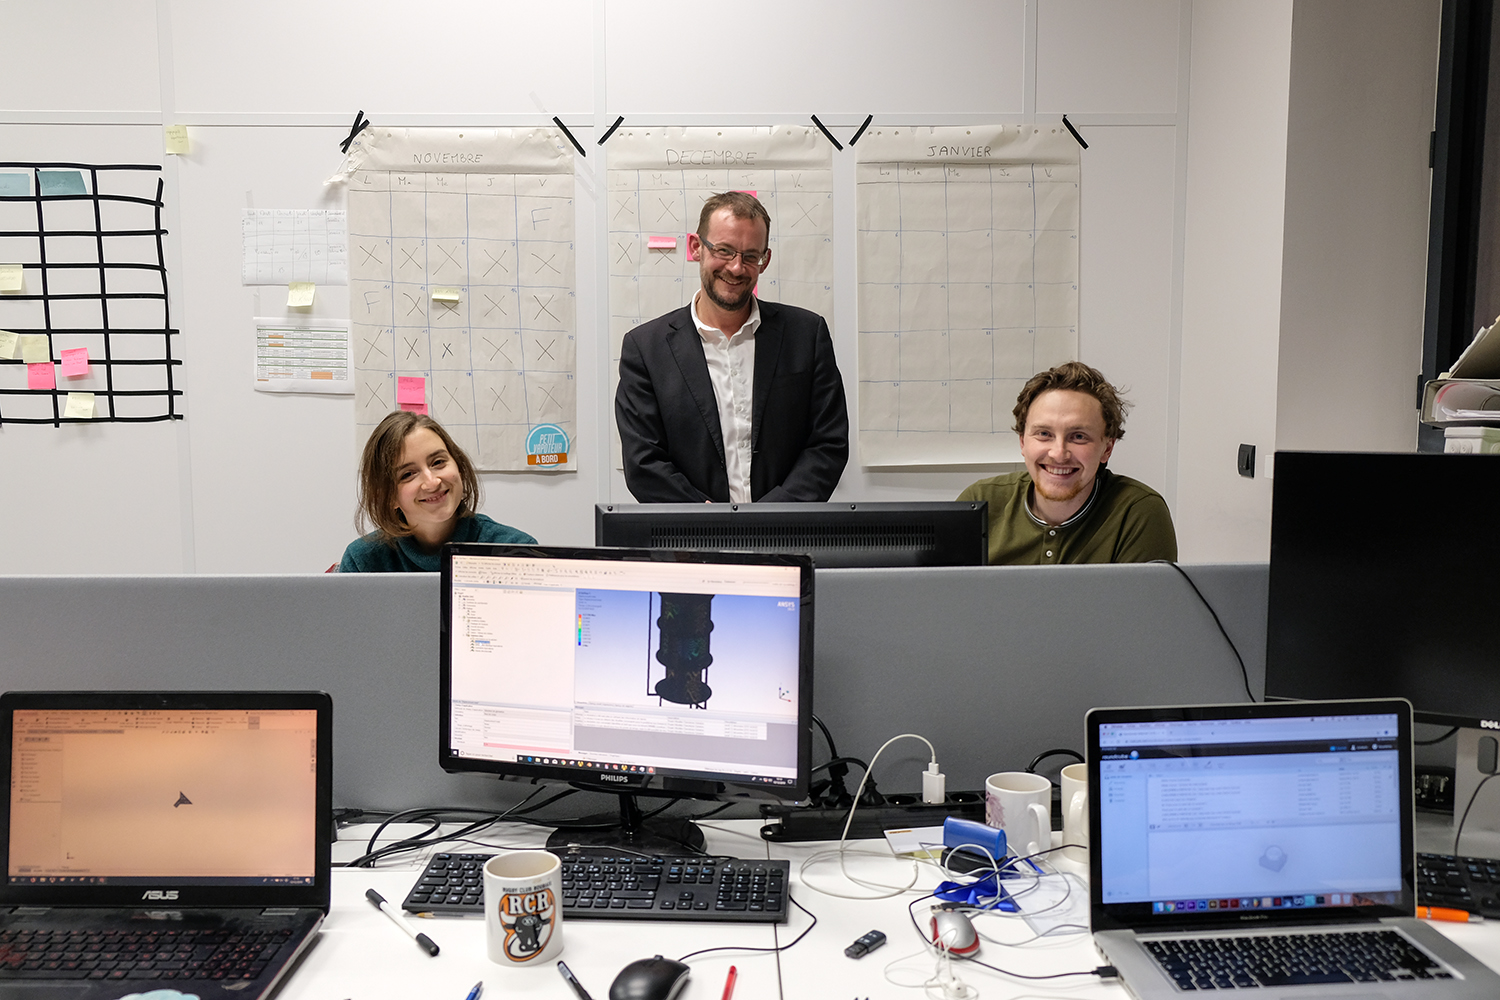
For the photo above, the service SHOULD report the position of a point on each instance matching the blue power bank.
(965, 833)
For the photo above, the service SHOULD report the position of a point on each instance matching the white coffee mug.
(1075, 811)
(523, 907)
(1020, 803)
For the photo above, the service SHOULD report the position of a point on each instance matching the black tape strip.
(1075, 132)
(827, 134)
(360, 124)
(558, 122)
(868, 120)
(611, 130)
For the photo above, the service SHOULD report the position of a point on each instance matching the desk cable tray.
(602, 886)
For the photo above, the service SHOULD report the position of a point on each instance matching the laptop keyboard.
(159, 954)
(1471, 884)
(1292, 960)
(612, 887)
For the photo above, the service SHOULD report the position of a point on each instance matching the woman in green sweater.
(420, 490)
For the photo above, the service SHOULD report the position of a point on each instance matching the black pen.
(423, 941)
(567, 974)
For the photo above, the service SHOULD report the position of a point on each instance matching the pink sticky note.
(750, 193)
(41, 376)
(75, 362)
(415, 408)
(661, 243)
(688, 243)
(411, 389)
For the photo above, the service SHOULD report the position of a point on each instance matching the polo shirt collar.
(1083, 511)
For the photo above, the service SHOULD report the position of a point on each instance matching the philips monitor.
(679, 674)
(1383, 580)
(949, 533)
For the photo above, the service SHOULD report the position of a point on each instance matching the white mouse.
(953, 931)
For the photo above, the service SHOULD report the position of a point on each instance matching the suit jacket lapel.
(768, 338)
(686, 345)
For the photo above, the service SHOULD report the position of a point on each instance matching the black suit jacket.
(668, 416)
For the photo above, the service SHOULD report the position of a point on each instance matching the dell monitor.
(640, 673)
(1384, 581)
(948, 533)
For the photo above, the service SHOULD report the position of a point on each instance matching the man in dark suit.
(730, 398)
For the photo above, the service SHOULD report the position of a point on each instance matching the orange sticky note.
(75, 362)
(41, 375)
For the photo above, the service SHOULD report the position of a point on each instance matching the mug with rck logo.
(523, 907)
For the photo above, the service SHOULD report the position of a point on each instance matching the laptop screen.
(202, 799)
(139, 795)
(1252, 813)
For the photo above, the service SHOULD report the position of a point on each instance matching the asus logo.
(614, 777)
(1488, 724)
(158, 894)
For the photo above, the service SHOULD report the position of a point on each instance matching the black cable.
(1244, 673)
(1460, 831)
(842, 760)
(1433, 742)
(1058, 752)
(832, 750)
(781, 947)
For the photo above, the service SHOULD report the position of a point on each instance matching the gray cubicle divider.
(992, 665)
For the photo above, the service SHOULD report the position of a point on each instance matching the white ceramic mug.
(523, 907)
(1020, 803)
(1075, 811)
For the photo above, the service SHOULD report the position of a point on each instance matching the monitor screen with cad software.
(674, 673)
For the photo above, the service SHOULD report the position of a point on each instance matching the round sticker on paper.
(547, 444)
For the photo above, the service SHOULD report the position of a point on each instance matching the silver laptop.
(161, 840)
(1266, 848)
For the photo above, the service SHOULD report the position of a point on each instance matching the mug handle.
(1076, 807)
(1043, 817)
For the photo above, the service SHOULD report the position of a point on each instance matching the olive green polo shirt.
(1123, 521)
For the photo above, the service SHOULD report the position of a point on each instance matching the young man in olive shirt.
(1067, 507)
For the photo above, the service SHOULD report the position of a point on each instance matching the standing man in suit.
(730, 398)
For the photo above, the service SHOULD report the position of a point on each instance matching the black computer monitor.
(948, 533)
(680, 674)
(1385, 579)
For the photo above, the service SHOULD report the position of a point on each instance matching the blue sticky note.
(62, 182)
(15, 185)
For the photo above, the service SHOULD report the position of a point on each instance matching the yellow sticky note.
(299, 294)
(34, 348)
(81, 405)
(177, 139)
(445, 294)
(11, 278)
(8, 343)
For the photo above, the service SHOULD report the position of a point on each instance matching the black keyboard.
(158, 954)
(1471, 884)
(1277, 960)
(617, 887)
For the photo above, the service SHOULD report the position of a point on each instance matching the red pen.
(729, 983)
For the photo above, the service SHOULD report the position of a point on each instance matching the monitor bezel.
(719, 787)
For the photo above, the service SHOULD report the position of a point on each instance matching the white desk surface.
(360, 956)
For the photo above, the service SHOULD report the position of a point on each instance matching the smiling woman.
(420, 490)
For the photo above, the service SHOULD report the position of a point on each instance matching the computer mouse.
(654, 978)
(953, 931)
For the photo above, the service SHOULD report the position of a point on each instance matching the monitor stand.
(659, 836)
(1481, 832)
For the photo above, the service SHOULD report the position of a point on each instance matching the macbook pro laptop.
(160, 840)
(1266, 848)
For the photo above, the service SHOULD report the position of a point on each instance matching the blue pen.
(474, 993)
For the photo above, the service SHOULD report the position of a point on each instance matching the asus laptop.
(161, 840)
(1265, 848)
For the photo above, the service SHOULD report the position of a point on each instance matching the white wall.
(1355, 253)
(1181, 253)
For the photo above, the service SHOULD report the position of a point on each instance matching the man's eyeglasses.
(752, 258)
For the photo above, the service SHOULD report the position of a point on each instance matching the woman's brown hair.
(377, 473)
